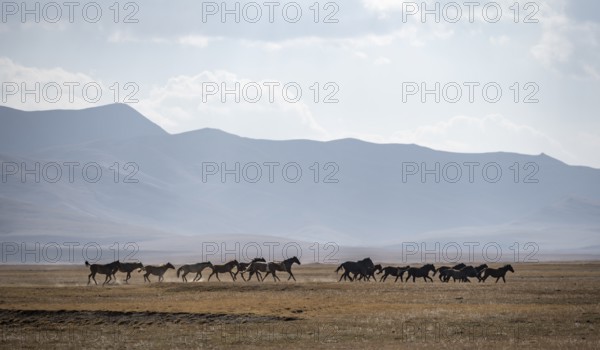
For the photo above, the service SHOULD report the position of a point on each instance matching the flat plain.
(542, 305)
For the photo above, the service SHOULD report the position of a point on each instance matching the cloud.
(568, 46)
(501, 40)
(54, 87)
(492, 133)
(382, 61)
(199, 41)
(182, 104)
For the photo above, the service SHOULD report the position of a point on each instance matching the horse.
(356, 267)
(217, 269)
(497, 273)
(197, 268)
(255, 268)
(108, 270)
(371, 273)
(157, 271)
(128, 268)
(420, 272)
(285, 265)
(243, 266)
(480, 270)
(460, 275)
(471, 271)
(444, 268)
(398, 272)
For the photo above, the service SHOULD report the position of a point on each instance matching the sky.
(525, 78)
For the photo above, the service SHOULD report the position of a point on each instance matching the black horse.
(475, 272)
(360, 267)
(398, 272)
(497, 273)
(423, 272)
(370, 273)
(444, 268)
(460, 275)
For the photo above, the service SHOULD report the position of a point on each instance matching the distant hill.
(366, 203)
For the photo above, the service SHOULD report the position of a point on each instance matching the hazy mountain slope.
(369, 204)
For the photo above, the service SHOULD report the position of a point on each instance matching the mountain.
(362, 194)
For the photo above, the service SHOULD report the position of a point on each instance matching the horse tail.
(87, 263)
(339, 268)
(179, 271)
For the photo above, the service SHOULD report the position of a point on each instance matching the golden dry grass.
(547, 306)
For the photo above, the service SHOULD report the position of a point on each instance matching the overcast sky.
(370, 55)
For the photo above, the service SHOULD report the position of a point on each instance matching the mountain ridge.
(371, 199)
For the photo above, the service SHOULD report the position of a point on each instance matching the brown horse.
(197, 268)
(256, 268)
(242, 267)
(285, 265)
(156, 271)
(128, 268)
(226, 268)
(107, 269)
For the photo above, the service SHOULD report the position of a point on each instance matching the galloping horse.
(420, 272)
(460, 275)
(256, 268)
(197, 268)
(356, 267)
(444, 268)
(128, 268)
(244, 266)
(398, 272)
(108, 270)
(156, 271)
(285, 265)
(471, 271)
(497, 273)
(371, 273)
(217, 269)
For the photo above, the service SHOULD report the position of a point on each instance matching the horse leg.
(275, 277)
(232, 276)
(497, 279)
(504, 280)
(107, 279)
(127, 277)
(291, 276)
(91, 276)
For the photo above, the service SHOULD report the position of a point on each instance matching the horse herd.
(352, 270)
(365, 270)
(256, 267)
